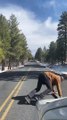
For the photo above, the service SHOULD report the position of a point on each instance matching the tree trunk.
(62, 62)
(9, 64)
(3, 65)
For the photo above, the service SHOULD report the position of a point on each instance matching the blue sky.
(37, 19)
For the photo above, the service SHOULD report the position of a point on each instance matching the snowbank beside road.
(13, 68)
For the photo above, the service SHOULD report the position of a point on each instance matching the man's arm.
(59, 88)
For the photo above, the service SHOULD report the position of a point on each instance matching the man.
(50, 79)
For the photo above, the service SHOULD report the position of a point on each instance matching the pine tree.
(52, 52)
(38, 54)
(62, 38)
(14, 37)
(4, 39)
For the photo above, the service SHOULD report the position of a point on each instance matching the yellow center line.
(8, 98)
(10, 105)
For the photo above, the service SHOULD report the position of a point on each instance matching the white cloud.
(50, 3)
(38, 34)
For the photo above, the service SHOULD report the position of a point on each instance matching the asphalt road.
(14, 86)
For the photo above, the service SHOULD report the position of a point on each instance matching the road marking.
(10, 105)
(8, 98)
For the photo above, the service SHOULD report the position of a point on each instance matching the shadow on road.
(21, 100)
(13, 75)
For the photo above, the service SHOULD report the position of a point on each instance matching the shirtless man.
(50, 79)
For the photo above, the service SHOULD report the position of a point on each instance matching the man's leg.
(49, 87)
(54, 95)
(32, 93)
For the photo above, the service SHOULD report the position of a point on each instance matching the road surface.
(14, 86)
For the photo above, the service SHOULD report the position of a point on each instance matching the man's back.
(55, 80)
(53, 76)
